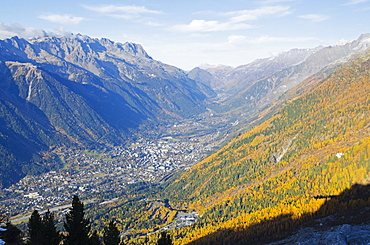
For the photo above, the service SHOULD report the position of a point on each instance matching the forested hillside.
(308, 159)
(306, 156)
(316, 145)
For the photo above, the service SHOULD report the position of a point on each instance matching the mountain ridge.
(281, 164)
(306, 157)
(265, 68)
(89, 81)
(89, 92)
(304, 145)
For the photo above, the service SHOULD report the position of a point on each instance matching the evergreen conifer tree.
(165, 239)
(111, 234)
(50, 235)
(35, 228)
(11, 235)
(76, 226)
(94, 238)
(42, 231)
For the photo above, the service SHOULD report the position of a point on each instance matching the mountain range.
(277, 175)
(84, 92)
(301, 150)
(299, 173)
(262, 81)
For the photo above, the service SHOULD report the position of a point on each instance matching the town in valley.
(88, 173)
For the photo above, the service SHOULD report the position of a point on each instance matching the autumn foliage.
(317, 145)
(309, 159)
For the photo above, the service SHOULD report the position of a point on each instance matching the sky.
(189, 33)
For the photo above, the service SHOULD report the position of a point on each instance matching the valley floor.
(90, 173)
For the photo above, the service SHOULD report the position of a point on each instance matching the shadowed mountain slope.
(63, 91)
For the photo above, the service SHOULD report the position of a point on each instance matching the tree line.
(43, 231)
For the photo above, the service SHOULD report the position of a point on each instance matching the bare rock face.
(340, 235)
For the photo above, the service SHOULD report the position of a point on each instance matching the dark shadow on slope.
(25, 132)
(350, 207)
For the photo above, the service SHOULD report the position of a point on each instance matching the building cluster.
(89, 173)
(182, 220)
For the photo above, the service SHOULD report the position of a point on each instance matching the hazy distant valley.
(107, 122)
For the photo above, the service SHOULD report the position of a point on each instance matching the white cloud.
(122, 11)
(267, 39)
(62, 19)
(277, 1)
(210, 26)
(62, 32)
(124, 16)
(153, 23)
(314, 17)
(237, 50)
(236, 20)
(8, 31)
(235, 39)
(254, 14)
(342, 42)
(353, 2)
(11, 30)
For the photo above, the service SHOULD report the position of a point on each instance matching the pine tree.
(42, 231)
(165, 239)
(50, 235)
(94, 239)
(111, 234)
(76, 226)
(35, 228)
(11, 235)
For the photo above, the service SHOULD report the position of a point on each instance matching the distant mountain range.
(79, 91)
(297, 173)
(82, 91)
(307, 157)
(262, 81)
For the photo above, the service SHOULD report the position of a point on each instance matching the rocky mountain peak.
(88, 91)
(135, 49)
(362, 43)
(82, 46)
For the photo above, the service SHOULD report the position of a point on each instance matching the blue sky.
(188, 33)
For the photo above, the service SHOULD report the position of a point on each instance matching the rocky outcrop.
(340, 235)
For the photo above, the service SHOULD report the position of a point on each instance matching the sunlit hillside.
(316, 146)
